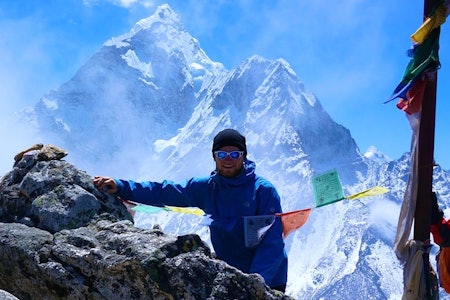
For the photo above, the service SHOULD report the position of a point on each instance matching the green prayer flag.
(327, 188)
(148, 208)
(425, 56)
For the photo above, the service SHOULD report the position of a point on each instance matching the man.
(233, 191)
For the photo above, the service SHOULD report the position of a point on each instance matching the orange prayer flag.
(293, 220)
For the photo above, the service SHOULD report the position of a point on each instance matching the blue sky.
(351, 54)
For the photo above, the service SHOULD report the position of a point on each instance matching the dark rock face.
(61, 238)
(48, 193)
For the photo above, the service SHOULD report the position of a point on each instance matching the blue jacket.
(227, 200)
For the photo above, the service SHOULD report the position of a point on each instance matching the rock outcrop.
(61, 238)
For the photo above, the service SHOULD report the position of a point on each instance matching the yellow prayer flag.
(186, 210)
(430, 23)
(377, 190)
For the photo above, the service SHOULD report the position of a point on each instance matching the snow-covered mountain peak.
(163, 14)
(164, 17)
(373, 153)
(274, 64)
(163, 35)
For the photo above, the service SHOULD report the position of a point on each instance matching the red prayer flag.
(293, 220)
(413, 101)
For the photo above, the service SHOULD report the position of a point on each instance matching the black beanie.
(229, 137)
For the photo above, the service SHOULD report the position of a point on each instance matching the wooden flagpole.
(426, 152)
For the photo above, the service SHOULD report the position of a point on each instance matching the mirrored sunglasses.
(223, 154)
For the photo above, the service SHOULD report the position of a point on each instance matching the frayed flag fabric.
(407, 210)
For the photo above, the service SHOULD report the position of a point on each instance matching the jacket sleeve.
(270, 254)
(435, 231)
(441, 232)
(189, 193)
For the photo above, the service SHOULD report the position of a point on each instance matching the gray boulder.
(7, 296)
(61, 238)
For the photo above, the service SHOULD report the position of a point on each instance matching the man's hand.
(106, 184)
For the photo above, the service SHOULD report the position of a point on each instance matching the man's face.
(229, 167)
